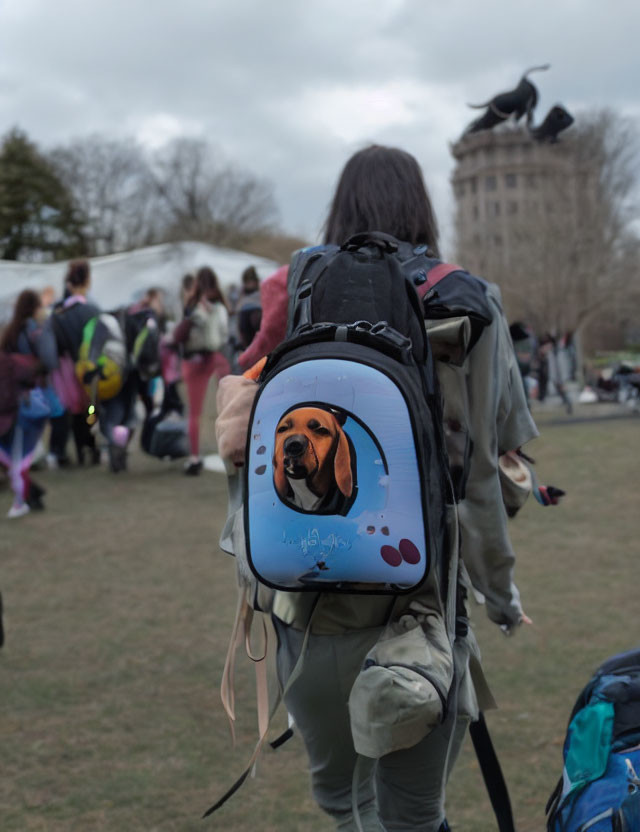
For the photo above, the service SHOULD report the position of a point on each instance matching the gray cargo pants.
(401, 792)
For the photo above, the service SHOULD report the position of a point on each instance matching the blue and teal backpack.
(599, 790)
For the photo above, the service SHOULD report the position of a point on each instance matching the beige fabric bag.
(234, 400)
(209, 328)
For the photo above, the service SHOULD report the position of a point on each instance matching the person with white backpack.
(202, 333)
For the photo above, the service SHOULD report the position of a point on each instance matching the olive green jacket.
(484, 407)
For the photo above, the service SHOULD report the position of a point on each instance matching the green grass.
(118, 607)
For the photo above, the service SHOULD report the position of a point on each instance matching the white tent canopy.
(117, 279)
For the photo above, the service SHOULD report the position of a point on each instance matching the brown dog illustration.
(312, 460)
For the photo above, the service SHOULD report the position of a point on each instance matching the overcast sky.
(289, 88)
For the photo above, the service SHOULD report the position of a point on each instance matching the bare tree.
(206, 198)
(569, 255)
(112, 185)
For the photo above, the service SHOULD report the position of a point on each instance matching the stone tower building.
(506, 185)
(550, 223)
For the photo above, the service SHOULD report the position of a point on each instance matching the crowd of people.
(70, 370)
(546, 363)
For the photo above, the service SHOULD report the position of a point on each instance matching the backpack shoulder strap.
(308, 263)
(60, 332)
(435, 275)
(300, 260)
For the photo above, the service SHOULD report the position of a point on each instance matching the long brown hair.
(207, 286)
(382, 189)
(27, 305)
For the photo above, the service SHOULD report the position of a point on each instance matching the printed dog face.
(312, 460)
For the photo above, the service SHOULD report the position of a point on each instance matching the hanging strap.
(355, 785)
(236, 638)
(227, 685)
(260, 665)
(492, 774)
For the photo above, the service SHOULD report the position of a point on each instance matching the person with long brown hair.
(380, 744)
(202, 333)
(26, 336)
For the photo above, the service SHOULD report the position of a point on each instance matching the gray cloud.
(289, 89)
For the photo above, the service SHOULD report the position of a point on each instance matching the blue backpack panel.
(363, 522)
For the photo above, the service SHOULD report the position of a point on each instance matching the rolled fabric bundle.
(234, 401)
(515, 480)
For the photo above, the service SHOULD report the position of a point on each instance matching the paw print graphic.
(406, 551)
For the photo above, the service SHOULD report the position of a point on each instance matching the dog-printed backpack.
(346, 476)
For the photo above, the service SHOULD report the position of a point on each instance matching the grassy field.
(118, 607)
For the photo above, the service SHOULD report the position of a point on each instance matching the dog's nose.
(295, 445)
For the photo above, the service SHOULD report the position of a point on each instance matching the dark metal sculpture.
(516, 103)
(556, 120)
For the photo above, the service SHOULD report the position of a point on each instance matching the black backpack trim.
(307, 290)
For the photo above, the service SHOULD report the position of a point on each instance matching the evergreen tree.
(38, 219)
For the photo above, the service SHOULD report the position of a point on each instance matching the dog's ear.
(342, 465)
(339, 415)
(279, 479)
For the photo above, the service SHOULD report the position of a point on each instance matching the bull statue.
(516, 103)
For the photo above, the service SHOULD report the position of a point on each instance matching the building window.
(473, 184)
(532, 180)
(512, 207)
(460, 189)
(476, 212)
(510, 180)
(493, 208)
(497, 240)
(490, 183)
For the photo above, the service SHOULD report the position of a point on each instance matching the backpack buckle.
(383, 330)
